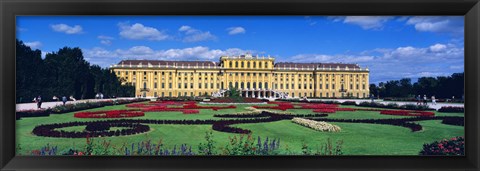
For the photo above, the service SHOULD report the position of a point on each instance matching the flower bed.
(324, 110)
(317, 125)
(406, 113)
(32, 113)
(452, 109)
(109, 114)
(453, 147)
(236, 100)
(90, 105)
(95, 129)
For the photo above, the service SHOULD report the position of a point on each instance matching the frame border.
(10, 8)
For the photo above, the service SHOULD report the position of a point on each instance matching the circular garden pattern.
(125, 127)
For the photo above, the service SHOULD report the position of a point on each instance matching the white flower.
(317, 125)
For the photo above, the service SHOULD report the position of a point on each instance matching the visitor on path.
(39, 102)
(434, 102)
(371, 97)
(419, 102)
(64, 100)
(424, 99)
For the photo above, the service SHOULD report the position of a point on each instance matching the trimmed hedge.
(452, 147)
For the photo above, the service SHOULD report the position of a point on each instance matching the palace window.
(243, 64)
(326, 87)
(241, 85)
(363, 86)
(260, 65)
(126, 72)
(281, 86)
(286, 86)
(248, 64)
(206, 85)
(299, 86)
(248, 85)
(351, 86)
(266, 85)
(185, 85)
(293, 86)
(320, 86)
(333, 86)
(134, 73)
(254, 64)
(155, 73)
(254, 74)
(236, 64)
(357, 87)
(230, 64)
(259, 85)
(199, 85)
(179, 85)
(266, 65)
(260, 74)
(254, 85)
(155, 85)
(170, 86)
(236, 84)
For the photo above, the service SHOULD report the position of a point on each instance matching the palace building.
(258, 77)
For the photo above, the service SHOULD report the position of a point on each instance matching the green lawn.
(358, 138)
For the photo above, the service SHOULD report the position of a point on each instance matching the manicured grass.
(358, 138)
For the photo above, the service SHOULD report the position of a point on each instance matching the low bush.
(349, 103)
(452, 147)
(32, 113)
(109, 114)
(452, 109)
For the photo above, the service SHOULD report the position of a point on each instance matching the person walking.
(39, 102)
(434, 102)
(64, 100)
(419, 100)
(424, 99)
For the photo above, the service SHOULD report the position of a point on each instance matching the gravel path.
(33, 105)
(29, 106)
(437, 106)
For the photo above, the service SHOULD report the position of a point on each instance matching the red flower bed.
(324, 110)
(281, 106)
(191, 111)
(318, 106)
(109, 114)
(406, 113)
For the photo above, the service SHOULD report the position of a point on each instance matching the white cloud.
(77, 29)
(138, 31)
(451, 24)
(34, 44)
(103, 57)
(402, 62)
(194, 35)
(366, 22)
(236, 30)
(437, 47)
(106, 40)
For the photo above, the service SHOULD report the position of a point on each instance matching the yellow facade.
(254, 76)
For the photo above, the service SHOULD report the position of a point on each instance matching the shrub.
(451, 109)
(32, 113)
(109, 114)
(455, 146)
(406, 113)
(349, 103)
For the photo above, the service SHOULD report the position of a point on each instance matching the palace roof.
(315, 65)
(169, 63)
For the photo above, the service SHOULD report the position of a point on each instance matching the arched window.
(243, 64)
(254, 85)
(254, 64)
(260, 65)
(266, 85)
(248, 85)
(259, 85)
(236, 84)
(230, 64)
(266, 64)
(241, 85)
(144, 85)
(230, 84)
(236, 64)
(248, 64)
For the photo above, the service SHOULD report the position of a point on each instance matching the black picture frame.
(468, 8)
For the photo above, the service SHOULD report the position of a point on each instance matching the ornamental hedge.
(109, 114)
(452, 109)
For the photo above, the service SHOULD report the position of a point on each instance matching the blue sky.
(392, 47)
